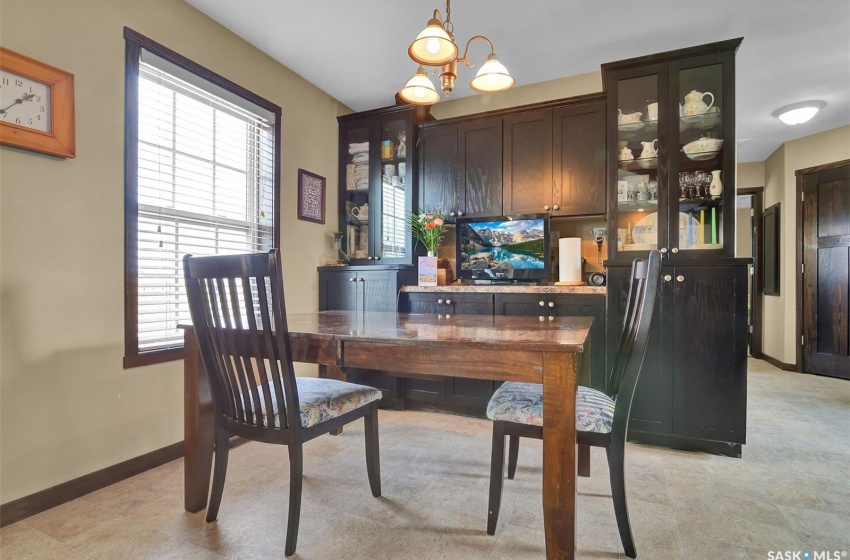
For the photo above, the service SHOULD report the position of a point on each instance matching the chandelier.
(435, 46)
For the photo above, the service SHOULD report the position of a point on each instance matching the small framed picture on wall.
(311, 197)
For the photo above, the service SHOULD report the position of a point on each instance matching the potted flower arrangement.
(428, 228)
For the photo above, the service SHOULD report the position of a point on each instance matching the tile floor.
(790, 492)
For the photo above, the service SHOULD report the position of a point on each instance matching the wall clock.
(36, 106)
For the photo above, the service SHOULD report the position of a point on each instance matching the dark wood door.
(652, 404)
(338, 291)
(468, 304)
(460, 390)
(378, 290)
(438, 169)
(528, 305)
(479, 154)
(424, 303)
(528, 162)
(826, 274)
(422, 389)
(580, 305)
(708, 351)
(579, 161)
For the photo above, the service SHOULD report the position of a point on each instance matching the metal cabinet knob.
(541, 303)
(378, 258)
(352, 279)
(440, 301)
(680, 278)
(674, 250)
(448, 302)
(451, 214)
(460, 213)
(667, 277)
(546, 207)
(370, 257)
(551, 304)
(556, 207)
(663, 249)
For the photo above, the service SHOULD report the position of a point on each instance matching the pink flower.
(438, 222)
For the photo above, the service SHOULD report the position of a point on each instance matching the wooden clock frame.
(60, 140)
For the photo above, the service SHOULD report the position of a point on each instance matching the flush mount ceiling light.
(798, 113)
(435, 46)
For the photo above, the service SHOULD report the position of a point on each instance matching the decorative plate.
(645, 230)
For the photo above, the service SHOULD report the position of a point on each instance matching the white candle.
(569, 259)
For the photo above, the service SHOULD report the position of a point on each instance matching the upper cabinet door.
(438, 170)
(579, 160)
(480, 165)
(392, 242)
(528, 162)
(357, 160)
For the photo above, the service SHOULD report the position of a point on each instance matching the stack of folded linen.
(357, 172)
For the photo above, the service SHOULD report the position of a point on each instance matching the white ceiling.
(357, 51)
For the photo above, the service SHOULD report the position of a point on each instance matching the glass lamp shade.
(433, 46)
(492, 77)
(419, 90)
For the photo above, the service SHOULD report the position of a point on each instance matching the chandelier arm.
(466, 51)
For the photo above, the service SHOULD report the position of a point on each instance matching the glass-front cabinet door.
(702, 157)
(637, 121)
(392, 244)
(356, 153)
(375, 189)
(671, 154)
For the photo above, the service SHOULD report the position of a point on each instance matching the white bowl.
(703, 145)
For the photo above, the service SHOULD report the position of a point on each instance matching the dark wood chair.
(602, 419)
(239, 315)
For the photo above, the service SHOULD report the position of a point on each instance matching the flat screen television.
(503, 248)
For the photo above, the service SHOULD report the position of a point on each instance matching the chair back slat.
(640, 306)
(238, 313)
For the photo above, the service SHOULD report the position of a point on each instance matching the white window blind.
(393, 222)
(205, 187)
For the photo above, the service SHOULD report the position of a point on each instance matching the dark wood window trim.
(134, 43)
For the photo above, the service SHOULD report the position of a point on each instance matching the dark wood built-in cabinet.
(548, 157)
(692, 388)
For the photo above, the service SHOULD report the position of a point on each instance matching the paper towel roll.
(569, 259)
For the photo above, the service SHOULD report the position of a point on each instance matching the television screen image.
(503, 247)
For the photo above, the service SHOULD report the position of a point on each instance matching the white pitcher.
(694, 104)
(649, 149)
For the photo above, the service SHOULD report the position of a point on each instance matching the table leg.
(334, 372)
(559, 454)
(198, 426)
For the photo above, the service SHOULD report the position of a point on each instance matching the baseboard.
(729, 449)
(781, 365)
(27, 506)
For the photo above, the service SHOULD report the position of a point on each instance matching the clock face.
(24, 101)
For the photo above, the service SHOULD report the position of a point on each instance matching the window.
(202, 177)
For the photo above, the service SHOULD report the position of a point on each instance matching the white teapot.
(361, 213)
(649, 149)
(694, 104)
(626, 154)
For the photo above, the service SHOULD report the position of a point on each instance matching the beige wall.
(780, 312)
(519, 95)
(67, 407)
(750, 175)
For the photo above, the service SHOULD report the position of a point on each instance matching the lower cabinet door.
(338, 291)
(378, 290)
(709, 352)
(469, 392)
(532, 305)
(652, 404)
(582, 305)
(468, 304)
(425, 303)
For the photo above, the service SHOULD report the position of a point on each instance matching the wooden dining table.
(553, 351)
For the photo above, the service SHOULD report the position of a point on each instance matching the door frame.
(798, 262)
(758, 267)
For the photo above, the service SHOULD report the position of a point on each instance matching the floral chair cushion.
(322, 399)
(523, 403)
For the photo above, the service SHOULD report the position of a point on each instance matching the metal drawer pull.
(556, 207)
(667, 277)
(663, 249)
(541, 303)
(451, 214)
(680, 278)
(459, 213)
(674, 250)
(546, 207)
(448, 302)
(440, 301)
(551, 304)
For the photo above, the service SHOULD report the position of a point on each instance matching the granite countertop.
(507, 289)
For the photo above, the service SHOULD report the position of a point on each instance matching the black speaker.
(595, 278)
